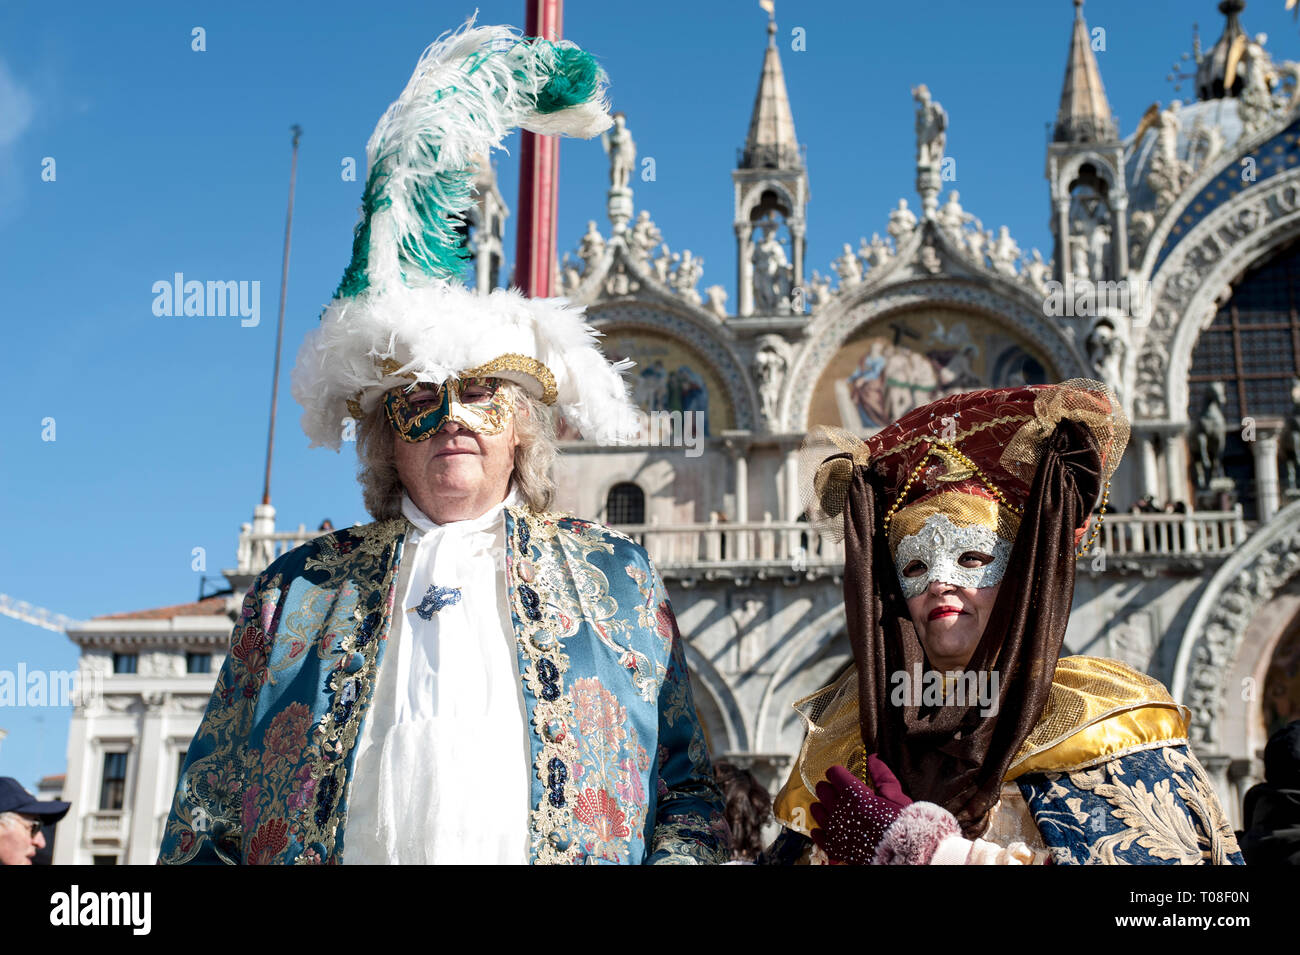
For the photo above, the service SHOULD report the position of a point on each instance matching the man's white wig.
(400, 314)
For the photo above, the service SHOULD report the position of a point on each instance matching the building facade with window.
(1173, 277)
(154, 672)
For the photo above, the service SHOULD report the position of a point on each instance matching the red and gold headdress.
(972, 456)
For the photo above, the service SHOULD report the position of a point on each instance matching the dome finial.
(770, 7)
(1212, 68)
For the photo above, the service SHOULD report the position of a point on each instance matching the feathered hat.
(400, 315)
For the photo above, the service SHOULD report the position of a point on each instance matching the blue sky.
(170, 160)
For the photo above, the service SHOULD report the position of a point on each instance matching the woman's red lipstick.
(945, 612)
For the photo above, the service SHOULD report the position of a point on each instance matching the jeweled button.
(526, 570)
(560, 839)
(555, 730)
(543, 640)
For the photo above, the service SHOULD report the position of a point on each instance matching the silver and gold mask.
(939, 544)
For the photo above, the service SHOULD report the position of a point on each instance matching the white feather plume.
(469, 90)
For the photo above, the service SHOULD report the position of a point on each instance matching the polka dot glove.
(852, 818)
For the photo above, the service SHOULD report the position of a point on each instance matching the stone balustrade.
(794, 548)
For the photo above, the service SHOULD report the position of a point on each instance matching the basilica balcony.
(793, 551)
(1148, 543)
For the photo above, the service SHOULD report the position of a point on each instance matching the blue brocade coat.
(621, 771)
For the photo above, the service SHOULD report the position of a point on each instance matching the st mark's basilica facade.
(1174, 278)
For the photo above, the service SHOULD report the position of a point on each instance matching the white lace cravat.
(442, 764)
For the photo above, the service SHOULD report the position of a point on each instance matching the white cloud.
(16, 110)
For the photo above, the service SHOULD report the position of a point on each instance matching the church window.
(1253, 347)
(625, 504)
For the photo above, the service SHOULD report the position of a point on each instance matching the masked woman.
(958, 736)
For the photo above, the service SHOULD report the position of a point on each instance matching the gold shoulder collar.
(1098, 710)
(833, 737)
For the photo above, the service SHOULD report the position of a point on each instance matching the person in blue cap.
(21, 819)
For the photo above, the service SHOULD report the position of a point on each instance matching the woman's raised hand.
(851, 818)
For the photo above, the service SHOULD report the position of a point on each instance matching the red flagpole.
(539, 168)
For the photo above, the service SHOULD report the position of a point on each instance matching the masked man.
(470, 678)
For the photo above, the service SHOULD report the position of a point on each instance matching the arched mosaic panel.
(679, 365)
(908, 358)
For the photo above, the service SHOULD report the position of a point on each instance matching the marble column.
(1176, 468)
(78, 789)
(744, 269)
(142, 848)
(1119, 241)
(742, 503)
(1264, 448)
(797, 245)
(263, 551)
(1063, 241)
(793, 506)
(1150, 480)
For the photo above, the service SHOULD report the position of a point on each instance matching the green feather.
(354, 280)
(574, 78)
(434, 246)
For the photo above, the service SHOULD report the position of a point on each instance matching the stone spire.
(1084, 115)
(771, 143)
(1212, 68)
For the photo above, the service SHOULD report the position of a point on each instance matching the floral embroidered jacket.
(621, 771)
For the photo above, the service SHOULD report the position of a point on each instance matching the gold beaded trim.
(553, 836)
(961, 435)
(1096, 528)
(946, 453)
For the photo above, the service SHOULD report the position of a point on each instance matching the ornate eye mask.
(939, 544)
(477, 404)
